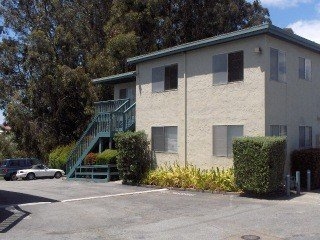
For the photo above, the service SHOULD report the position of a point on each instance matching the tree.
(53, 48)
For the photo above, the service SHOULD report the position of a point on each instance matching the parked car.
(10, 167)
(40, 171)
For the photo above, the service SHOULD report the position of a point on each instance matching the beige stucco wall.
(240, 103)
(296, 102)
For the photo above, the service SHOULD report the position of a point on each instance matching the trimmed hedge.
(134, 159)
(108, 156)
(307, 159)
(259, 163)
(59, 156)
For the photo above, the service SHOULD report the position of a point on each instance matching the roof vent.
(288, 30)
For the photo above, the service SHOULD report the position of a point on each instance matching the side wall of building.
(295, 102)
(197, 105)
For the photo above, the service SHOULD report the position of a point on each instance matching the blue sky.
(303, 16)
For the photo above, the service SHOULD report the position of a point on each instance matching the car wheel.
(6, 178)
(31, 176)
(13, 177)
(57, 175)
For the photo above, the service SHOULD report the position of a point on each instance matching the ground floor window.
(278, 130)
(222, 139)
(165, 139)
(305, 136)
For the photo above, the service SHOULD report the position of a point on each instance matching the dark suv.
(9, 167)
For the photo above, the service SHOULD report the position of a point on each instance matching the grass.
(191, 177)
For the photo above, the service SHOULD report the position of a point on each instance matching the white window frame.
(158, 78)
(218, 76)
(307, 134)
(282, 130)
(166, 140)
(226, 138)
(307, 74)
(280, 54)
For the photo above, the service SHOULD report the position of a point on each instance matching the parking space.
(85, 210)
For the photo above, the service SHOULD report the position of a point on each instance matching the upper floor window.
(304, 68)
(165, 139)
(227, 67)
(222, 139)
(277, 65)
(123, 93)
(278, 130)
(165, 78)
(305, 136)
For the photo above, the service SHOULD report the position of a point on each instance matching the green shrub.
(90, 159)
(192, 177)
(134, 159)
(59, 156)
(307, 159)
(108, 156)
(259, 163)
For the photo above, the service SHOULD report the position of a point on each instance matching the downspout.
(185, 111)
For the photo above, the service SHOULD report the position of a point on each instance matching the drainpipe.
(185, 111)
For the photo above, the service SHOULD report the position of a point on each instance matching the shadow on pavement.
(10, 213)
(16, 198)
(10, 217)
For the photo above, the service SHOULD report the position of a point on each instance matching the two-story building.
(193, 99)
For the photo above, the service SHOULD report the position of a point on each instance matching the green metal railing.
(108, 106)
(111, 117)
(99, 125)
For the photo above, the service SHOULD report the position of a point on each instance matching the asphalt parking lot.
(60, 209)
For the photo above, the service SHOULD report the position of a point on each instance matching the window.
(123, 93)
(278, 130)
(222, 139)
(305, 69)
(165, 78)
(164, 139)
(277, 65)
(227, 67)
(305, 136)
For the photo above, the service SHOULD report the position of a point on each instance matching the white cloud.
(284, 3)
(307, 29)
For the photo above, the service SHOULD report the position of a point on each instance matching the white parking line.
(114, 195)
(85, 198)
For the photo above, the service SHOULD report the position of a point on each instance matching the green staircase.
(110, 117)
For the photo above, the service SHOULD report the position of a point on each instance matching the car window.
(4, 163)
(29, 162)
(13, 163)
(22, 163)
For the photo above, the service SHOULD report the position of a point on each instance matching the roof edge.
(266, 28)
(118, 78)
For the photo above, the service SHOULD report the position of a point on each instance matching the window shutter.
(308, 69)
(273, 64)
(220, 141)
(157, 138)
(282, 66)
(233, 132)
(171, 143)
(274, 130)
(302, 136)
(220, 69)
(308, 131)
(283, 130)
(302, 74)
(158, 79)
